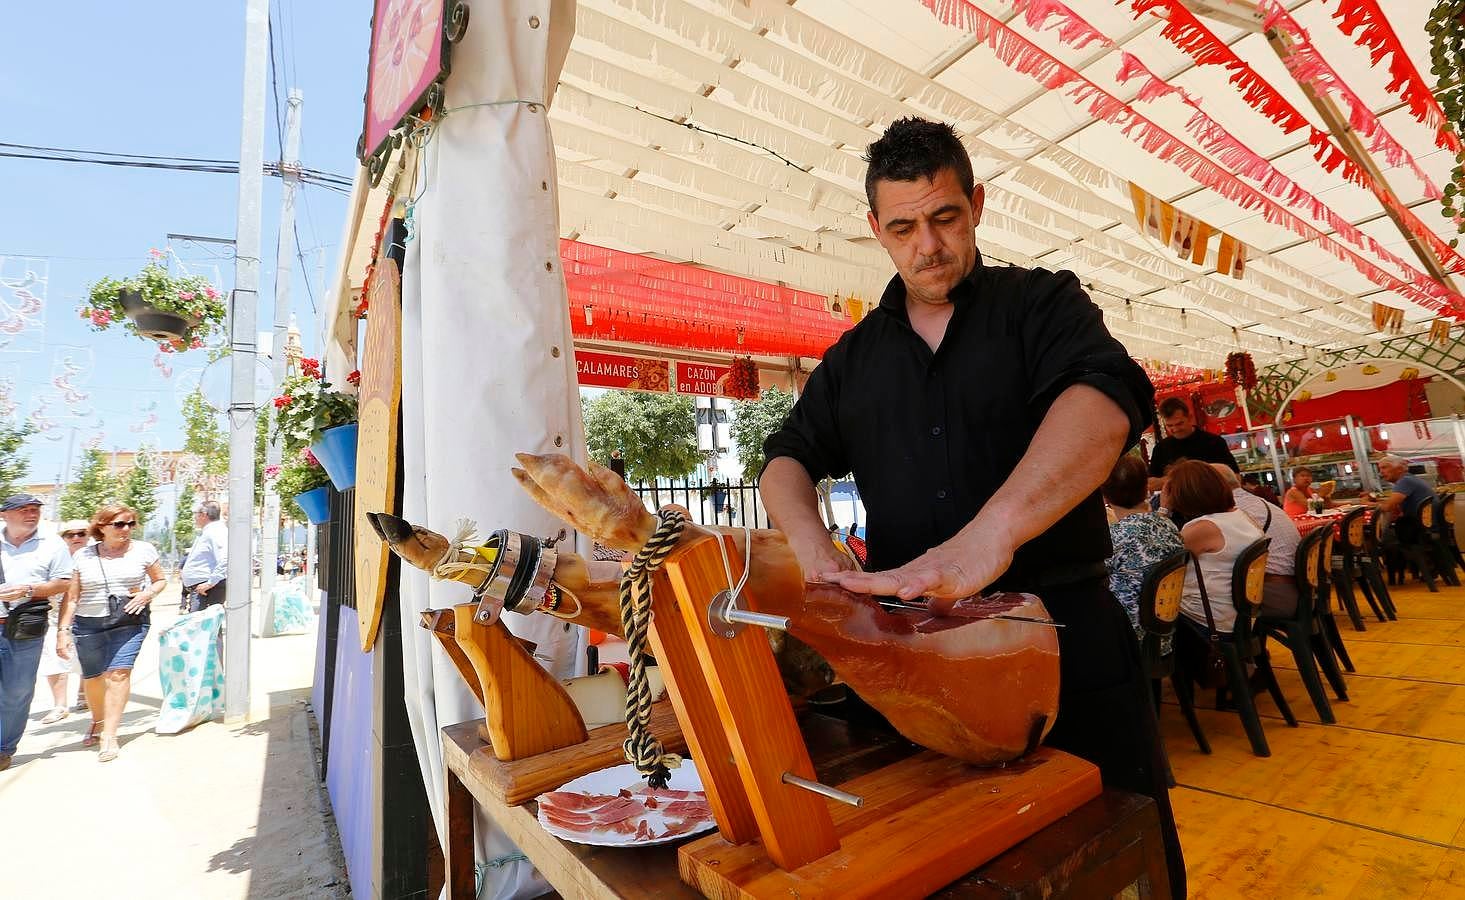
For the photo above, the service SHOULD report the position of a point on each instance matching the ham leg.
(976, 688)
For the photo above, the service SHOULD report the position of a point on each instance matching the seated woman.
(1294, 502)
(1215, 533)
(1141, 538)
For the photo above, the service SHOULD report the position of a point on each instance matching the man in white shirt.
(208, 560)
(1279, 593)
(32, 568)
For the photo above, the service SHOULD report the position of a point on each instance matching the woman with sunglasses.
(56, 670)
(129, 571)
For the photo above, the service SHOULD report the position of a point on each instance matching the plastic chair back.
(1159, 593)
(1352, 531)
(1426, 515)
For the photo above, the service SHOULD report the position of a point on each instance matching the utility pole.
(269, 540)
(244, 304)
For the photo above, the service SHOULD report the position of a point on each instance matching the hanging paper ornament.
(1331, 376)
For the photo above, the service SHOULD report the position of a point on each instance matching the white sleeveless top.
(1239, 532)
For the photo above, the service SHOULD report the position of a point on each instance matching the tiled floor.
(1371, 807)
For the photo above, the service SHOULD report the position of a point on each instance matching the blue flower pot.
(337, 453)
(316, 504)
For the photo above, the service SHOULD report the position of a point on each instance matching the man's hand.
(819, 559)
(203, 588)
(13, 591)
(958, 568)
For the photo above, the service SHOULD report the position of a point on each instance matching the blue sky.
(159, 78)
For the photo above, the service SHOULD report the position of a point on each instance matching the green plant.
(94, 487)
(307, 406)
(13, 465)
(184, 530)
(139, 486)
(300, 473)
(1446, 30)
(189, 296)
(755, 421)
(656, 434)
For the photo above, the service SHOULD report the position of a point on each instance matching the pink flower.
(195, 343)
(309, 457)
(186, 295)
(211, 293)
(101, 317)
(272, 471)
(155, 253)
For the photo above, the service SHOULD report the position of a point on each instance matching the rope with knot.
(642, 748)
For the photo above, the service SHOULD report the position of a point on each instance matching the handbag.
(117, 614)
(28, 621)
(1212, 672)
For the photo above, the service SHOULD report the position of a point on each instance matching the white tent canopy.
(728, 133)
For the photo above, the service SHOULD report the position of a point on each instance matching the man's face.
(75, 540)
(21, 523)
(928, 228)
(1392, 471)
(199, 519)
(1179, 424)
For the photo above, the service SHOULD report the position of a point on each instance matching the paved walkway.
(219, 811)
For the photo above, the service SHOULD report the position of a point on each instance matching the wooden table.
(1108, 844)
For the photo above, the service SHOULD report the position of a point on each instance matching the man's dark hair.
(1173, 405)
(210, 510)
(914, 148)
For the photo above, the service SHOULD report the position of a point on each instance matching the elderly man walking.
(33, 568)
(208, 560)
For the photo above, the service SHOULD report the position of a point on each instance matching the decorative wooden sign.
(411, 43)
(376, 442)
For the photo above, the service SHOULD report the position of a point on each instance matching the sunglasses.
(121, 524)
(72, 534)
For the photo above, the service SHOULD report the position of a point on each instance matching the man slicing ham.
(979, 409)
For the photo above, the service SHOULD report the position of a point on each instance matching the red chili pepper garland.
(1241, 371)
(742, 380)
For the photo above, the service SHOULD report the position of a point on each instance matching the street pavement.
(219, 811)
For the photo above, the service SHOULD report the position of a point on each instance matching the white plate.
(612, 780)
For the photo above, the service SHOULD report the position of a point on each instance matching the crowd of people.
(81, 601)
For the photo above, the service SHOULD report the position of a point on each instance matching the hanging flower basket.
(303, 487)
(179, 311)
(316, 504)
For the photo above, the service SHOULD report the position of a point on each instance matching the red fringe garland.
(1376, 34)
(1308, 66)
(1026, 58)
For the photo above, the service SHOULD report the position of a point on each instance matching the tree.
(183, 530)
(139, 486)
(93, 487)
(756, 420)
(13, 466)
(656, 434)
(203, 436)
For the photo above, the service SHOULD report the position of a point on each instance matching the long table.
(1109, 844)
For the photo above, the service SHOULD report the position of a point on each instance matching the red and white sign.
(702, 379)
(406, 58)
(619, 370)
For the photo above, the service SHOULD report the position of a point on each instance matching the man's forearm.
(789, 496)
(1074, 450)
(52, 588)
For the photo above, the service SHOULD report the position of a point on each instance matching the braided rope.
(641, 747)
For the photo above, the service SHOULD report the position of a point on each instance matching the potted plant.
(181, 311)
(310, 413)
(302, 484)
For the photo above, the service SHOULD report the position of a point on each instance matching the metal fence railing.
(719, 503)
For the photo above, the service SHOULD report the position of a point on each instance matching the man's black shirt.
(931, 437)
(1200, 445)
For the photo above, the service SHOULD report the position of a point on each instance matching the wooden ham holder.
(925, 821)
(536, 736)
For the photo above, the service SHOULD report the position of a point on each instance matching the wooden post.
(751, 711)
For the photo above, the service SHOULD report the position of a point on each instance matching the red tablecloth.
(1306, 523)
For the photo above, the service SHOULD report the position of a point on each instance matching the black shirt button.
(936, 431)
(941, 494)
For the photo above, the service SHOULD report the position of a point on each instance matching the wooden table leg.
(458, 860)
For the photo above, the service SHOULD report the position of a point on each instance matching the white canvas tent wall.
(728, 133)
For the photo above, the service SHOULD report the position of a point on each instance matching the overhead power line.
(329, 180)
